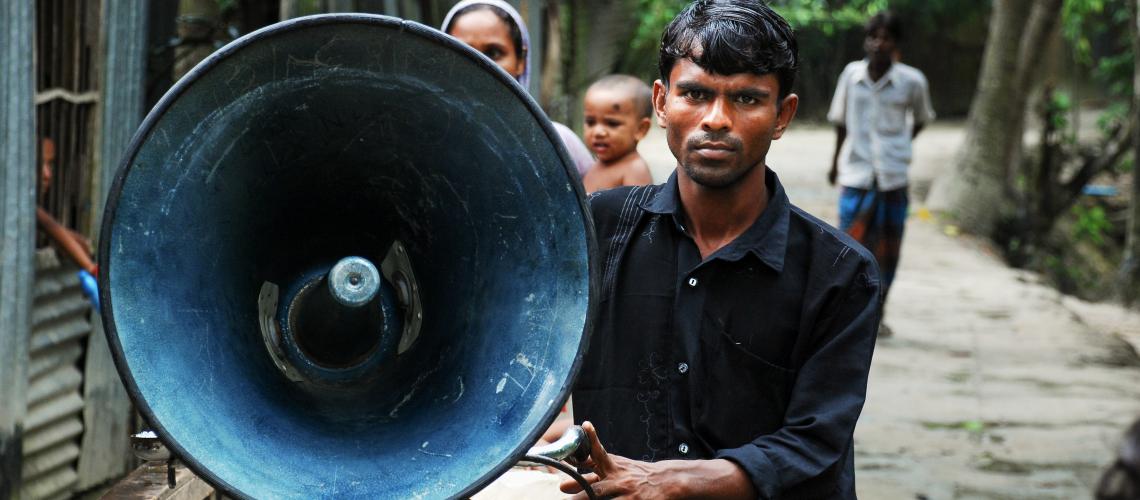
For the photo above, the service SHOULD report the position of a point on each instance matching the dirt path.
(994, 385)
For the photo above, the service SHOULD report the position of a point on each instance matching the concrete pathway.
(994, 385)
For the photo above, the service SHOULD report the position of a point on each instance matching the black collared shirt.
(758, 354)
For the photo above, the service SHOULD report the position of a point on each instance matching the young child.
(618, 109)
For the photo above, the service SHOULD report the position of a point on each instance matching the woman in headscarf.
(496, 29)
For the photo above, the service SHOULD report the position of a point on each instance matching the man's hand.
(617, 476)
(832, 174)
(620, 477)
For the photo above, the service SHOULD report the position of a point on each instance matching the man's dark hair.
(732, 36)
(516, 33)
(886, 20)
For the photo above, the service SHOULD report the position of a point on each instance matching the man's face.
(612, 127)
(719, 127)
(880, 45)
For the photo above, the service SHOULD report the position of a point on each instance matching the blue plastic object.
(90, 287)
(1099, 190)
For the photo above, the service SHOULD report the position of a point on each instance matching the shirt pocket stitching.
(727, 339)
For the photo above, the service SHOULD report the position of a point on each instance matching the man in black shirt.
(731, 354)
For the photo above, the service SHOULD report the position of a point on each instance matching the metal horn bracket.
(397, 269)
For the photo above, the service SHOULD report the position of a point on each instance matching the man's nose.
(717, 117)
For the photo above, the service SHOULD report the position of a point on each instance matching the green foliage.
(1076, 21)
(1116, 71)
(1058, 108)
(832, 16)
(1127, 165)
(653, 16)
(828, 16)
(1091, 223)
(1085, 22)
(1113, 116)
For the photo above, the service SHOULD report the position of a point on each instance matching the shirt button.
(683, 448)
(683, 367)
(692, 282)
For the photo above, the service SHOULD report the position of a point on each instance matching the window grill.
(67, 98)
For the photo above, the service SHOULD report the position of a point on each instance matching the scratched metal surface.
(329, 136)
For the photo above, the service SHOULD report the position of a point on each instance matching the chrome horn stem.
(573, 447)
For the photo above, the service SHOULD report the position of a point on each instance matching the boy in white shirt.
(875, 100)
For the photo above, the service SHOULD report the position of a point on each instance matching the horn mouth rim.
(180, 87)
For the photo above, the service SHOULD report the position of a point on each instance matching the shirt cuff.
(760, 470)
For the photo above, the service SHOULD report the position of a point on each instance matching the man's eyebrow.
(758, 94)
(690, 86)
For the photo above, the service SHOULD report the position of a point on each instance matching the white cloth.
(583, 160)
(879, 117)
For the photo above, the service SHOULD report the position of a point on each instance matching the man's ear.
(660, 93)
(787, 112)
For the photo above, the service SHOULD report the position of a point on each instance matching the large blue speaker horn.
(347, 257)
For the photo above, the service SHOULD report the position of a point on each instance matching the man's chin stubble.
(712, 179)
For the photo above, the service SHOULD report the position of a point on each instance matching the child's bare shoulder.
(636, 171)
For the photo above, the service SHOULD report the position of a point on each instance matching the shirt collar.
(888, 77)
(766, 238)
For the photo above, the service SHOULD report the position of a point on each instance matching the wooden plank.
(105, 447)
(122, 57)
(124, 52)
(17, 229)
(148, 482)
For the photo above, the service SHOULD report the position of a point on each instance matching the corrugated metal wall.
(64, 415)
(54, 422)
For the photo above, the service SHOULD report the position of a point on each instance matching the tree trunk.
(1042, 20)
(551, 66)
(974, 192)
(1130, 267)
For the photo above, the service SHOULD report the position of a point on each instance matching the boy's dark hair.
(516, 33)
(732, 36)
(886, 20)
(639, 92)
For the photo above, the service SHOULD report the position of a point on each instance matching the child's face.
(612, 127)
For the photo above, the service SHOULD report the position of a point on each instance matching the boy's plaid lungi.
(876, 219)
